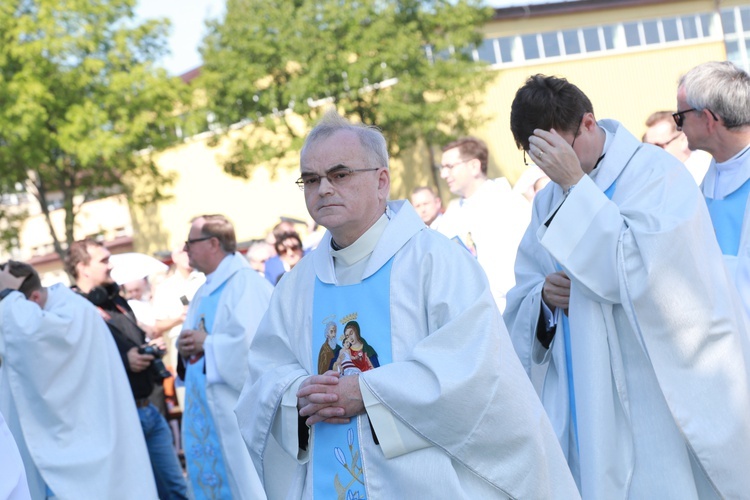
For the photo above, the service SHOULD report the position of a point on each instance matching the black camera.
(157, 365)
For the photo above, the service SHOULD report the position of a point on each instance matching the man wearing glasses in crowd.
(213, 345)
(661, 131)
(623, 313)
(713, 110)
(488, 218)
(446, 411)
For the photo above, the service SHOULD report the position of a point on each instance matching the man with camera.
(88, 263)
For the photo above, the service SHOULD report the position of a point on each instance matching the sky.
(188, 19)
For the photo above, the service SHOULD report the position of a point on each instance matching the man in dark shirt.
(88, 262)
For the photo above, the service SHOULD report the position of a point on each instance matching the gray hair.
(370, 137)
(722, 88)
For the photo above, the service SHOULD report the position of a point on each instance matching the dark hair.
(31, 282)
(78, 252)
(279, 245)
(470, 148)
(217, 226)
(546, 102)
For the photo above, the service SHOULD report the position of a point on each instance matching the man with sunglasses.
(445, 411)
(65, 395)
(623, 314)
(489, 218)
(661, 131)
(213, 345)
(713, 103)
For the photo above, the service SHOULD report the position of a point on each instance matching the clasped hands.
(190, 342)
(330, 398)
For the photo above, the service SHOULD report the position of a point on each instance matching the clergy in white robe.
(227, 309)
(646, 376)
(13, 483)
(442, 409)
(717, 93)
(66, 398)
(489, 217)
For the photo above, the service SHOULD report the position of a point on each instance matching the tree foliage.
(403, 65)
(80, 96)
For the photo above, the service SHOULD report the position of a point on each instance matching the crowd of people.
(581, 335)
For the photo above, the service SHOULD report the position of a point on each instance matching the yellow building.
(626, 55)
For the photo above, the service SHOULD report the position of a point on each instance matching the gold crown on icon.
(348, 318)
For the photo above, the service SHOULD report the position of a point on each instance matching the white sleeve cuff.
(394, 436)
(550, 319)
(285, 425)
(212, 373)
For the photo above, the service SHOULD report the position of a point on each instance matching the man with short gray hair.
(427, 398)
(713, 110)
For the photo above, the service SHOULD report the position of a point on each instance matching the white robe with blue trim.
(739, 265)
(242, 304)
(660, 351)
(455, 383)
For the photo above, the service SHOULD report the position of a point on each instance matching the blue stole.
(364, 308)
(205, 463)
(568, 352)
(727, 216)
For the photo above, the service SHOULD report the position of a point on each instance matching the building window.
(486, 51)
(689, 27)
(619, 36)
(551, 44)
(652, 32)
(572, 42)
(736, 24)
(506, 49)
(530, 47)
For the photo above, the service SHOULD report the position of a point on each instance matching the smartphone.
(184, 300)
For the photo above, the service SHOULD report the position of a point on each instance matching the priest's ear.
(39, 297)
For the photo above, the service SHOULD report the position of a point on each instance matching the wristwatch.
(5, 293)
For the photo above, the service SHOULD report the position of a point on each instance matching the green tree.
(403, 65)
(82, 103)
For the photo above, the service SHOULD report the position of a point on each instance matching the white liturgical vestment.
(454, 413)
(243, 301)
(721, 181)
(65, 395)
(492, 222)
(658, 345)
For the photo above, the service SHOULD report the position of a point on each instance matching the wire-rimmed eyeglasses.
(337, 176)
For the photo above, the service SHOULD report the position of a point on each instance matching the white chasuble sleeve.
(73, 399)
(394, 436)
(243, 303)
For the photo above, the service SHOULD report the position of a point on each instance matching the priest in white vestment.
(13, 483)
(623, 312)
(438, 405)
(65, 395)
(713, 110)
(220, 324)
(488, 217)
